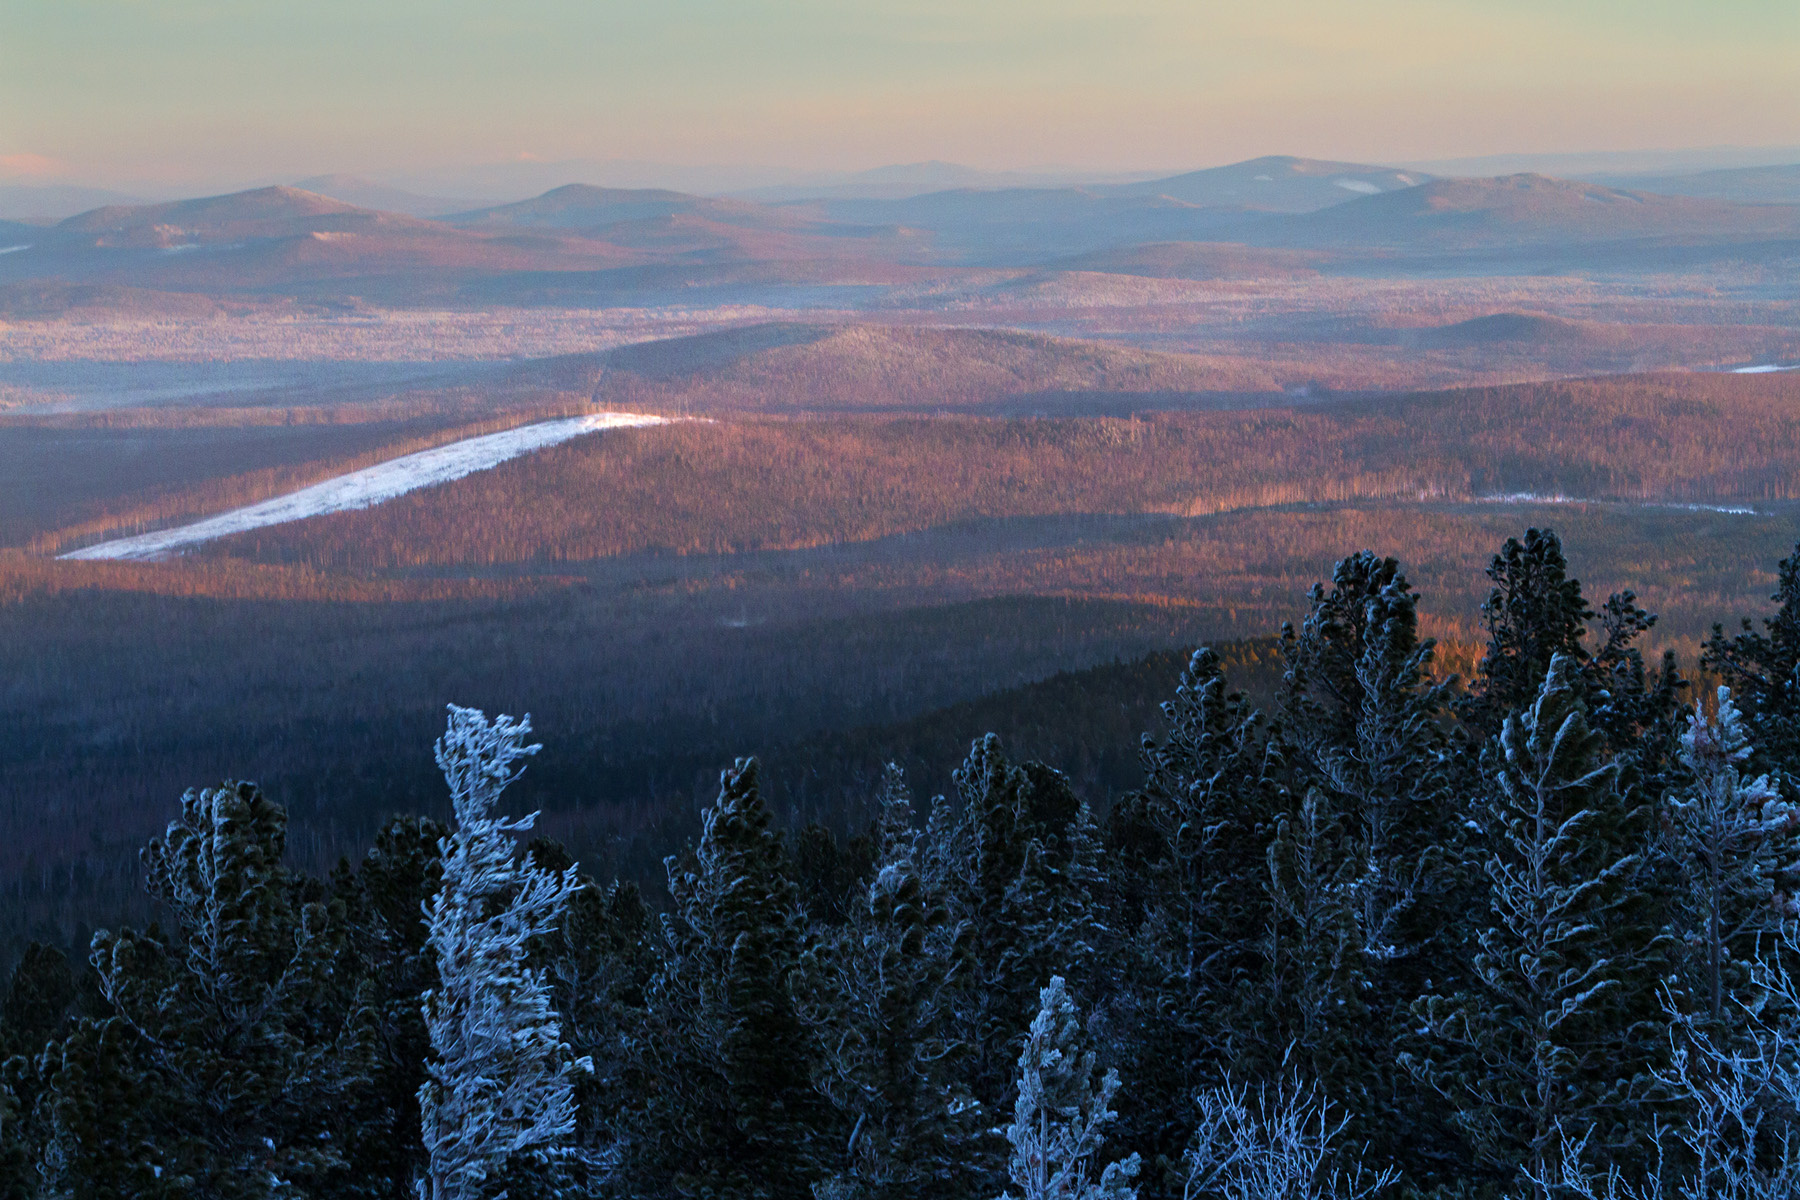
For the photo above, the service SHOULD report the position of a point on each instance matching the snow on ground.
(369, 486)
(1764, 369)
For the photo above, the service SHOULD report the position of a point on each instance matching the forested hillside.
(1377, 932)
(749, 484)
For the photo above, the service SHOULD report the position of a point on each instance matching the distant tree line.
(1532, 935)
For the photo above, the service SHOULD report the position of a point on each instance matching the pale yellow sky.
(113, 90)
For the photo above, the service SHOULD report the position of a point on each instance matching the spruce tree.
(891, 1066)
(1317, 977)
(1762, 669)
(226, 1050)
(728, 1059)
(1017, 862)
(1559, 1036)
(1060, 1118)
(1363, 721)
(386, 898)
(499, 1089)
(16, 1174)
(1368, 874)
(1188, 896)
(1737, 845)
(1535, 612)
(600, 961)
(33, 1016)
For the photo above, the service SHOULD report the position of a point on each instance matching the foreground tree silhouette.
(1763, 671)
(731, 1110)
(229, 1058)
(501, 1082)
(893, 1070)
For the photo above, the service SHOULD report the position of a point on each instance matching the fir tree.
(500, 1082)
(1058, 1131)
(1555, 1041)
(732, 1111)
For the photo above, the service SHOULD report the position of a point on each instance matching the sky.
(212, 92)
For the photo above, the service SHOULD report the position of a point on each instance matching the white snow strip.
(369, 486)
(16, 249)
(1732, 510)
(1361, 187)
(1764, 369)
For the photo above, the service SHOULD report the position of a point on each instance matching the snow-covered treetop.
(477, 755)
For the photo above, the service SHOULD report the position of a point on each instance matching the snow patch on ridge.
(1733, 510)
(367, 487)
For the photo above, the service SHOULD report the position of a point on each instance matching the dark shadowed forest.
(1350, 924)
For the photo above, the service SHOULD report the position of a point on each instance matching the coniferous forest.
(1532, 933)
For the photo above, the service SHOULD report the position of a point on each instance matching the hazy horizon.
(195, 95)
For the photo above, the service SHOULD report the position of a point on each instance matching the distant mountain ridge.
(1737, 185)
(1278, 183)
(583, 206)
(580, 245)
(262, 212)
(1484, 213)
(364, 193)
(56, 201)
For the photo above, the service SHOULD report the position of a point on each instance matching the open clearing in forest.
(369, 486)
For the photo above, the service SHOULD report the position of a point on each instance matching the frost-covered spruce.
(501, 1081)
(1736, 841)
(1059, 1121)
(1554, 1042)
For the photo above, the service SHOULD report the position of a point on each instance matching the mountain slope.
(261, 213)
(786, 367)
